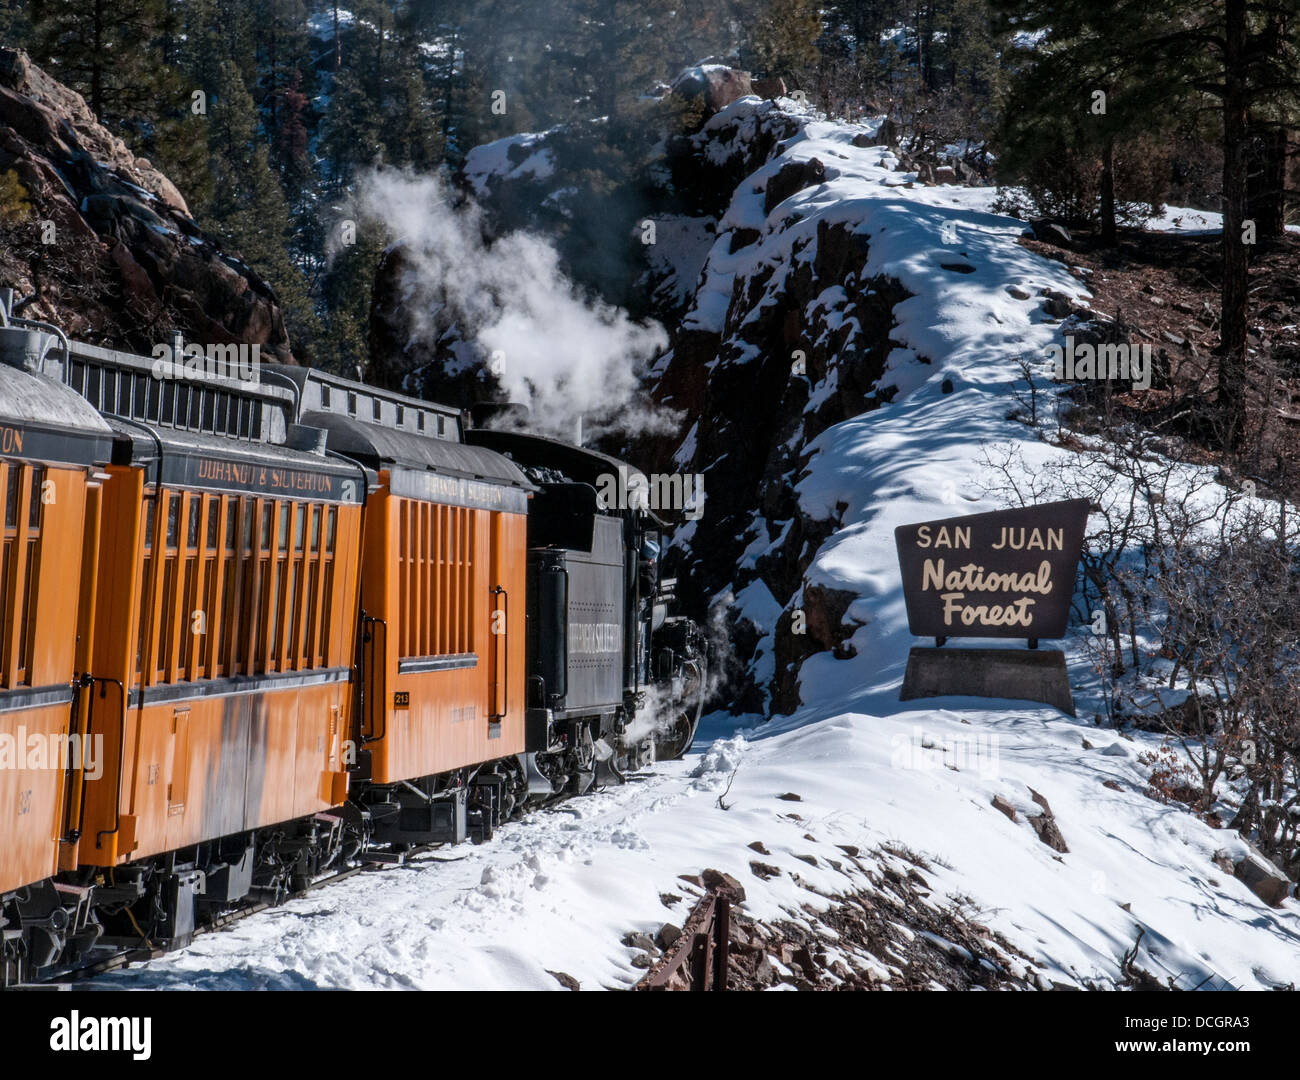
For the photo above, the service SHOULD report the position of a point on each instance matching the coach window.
(275, 590)
(148, 518)
(18, 570)
(293, 599)
(327, 583)
(166, 589)
(245, 635)
(219, 652)
(310, 638)
(9, 477)
(263, 581)
(312, 602)
(31, 568)
(435, 569)
(190, 598)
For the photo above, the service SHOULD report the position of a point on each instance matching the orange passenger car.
(289, 616)
(51, 444)
(226, 610)
(443, 633)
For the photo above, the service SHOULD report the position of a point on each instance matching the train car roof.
(377, 447)
(385, 429)
(323, 391)
(193, 459)
(579, 463)
(44, 420)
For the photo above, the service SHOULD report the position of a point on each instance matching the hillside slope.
(912, 304)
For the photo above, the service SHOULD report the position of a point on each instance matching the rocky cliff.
(100, 242)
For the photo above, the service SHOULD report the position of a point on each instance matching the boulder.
(716, 85)
(1262, 878)
(1045, 826)
(1051, 232)
(668, 936)
(716, 879)
(793, 176)
(1049, 832)
(769, 88)
(1004, 806)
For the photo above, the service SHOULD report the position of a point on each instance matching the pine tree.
(1237, 57)
(122, 56)
(345, 293)
(1067, 117)
(15, 25)
(248, 209)
(782, 37)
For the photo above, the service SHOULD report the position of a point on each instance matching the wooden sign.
(1006, 574)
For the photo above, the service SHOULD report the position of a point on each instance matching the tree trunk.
(921, 54)
(449, 90)
(97, 64)
(1108, 233)
(1266, 182)
(338, 47)
(1232, 335)
(270, 75)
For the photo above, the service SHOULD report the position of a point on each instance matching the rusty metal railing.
(698, 959)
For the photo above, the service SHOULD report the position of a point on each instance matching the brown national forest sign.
(1008, 574)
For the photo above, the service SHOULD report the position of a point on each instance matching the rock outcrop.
(716, 85)
(797, 344)
(105, 246)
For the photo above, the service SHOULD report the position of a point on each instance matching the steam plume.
(564, 355)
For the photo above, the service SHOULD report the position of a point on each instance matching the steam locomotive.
(254, 632)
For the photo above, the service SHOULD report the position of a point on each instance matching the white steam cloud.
(564, 355)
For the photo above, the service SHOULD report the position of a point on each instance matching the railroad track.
(698, 959)
(371, 862)
(146, 952)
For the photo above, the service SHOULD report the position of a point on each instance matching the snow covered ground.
(557, 891)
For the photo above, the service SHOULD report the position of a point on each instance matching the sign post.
(1006, 574)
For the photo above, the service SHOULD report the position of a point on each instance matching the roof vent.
(308, 439)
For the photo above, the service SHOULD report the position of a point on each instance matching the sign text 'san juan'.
(1007, 574)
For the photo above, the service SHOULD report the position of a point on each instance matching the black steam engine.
(613, 681)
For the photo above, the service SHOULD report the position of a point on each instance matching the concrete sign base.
(1023, 674)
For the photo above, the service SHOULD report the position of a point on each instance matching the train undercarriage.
(87, 920)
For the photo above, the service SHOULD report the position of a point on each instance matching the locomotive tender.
(252, 633)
